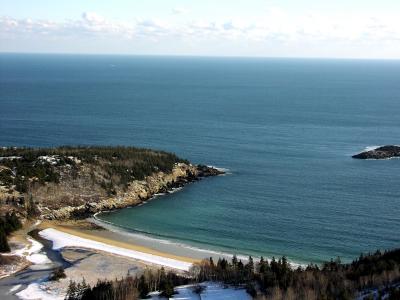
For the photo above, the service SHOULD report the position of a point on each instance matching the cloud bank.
(276, 29)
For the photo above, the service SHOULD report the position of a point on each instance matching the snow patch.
(38, 259)
(61, 239)
(51, 159)
(213, 291)
(14, 288)
(32, 253)
(36, 291)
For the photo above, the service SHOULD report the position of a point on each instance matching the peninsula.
(76, 182)
(67, 184)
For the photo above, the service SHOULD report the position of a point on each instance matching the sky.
(255, 28)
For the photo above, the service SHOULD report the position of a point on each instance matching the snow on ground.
(61, 239)
(38, 259)
(36, 291)
(213, 291)
(14, 288)
(51, 159)
(31, 252)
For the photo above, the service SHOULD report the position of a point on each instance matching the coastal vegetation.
(27, 175)
(128, 288)
(276, 279)
(8, 224)
(76, 182)
(121, 165)
(57, 274)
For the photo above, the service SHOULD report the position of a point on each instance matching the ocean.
(285, 130)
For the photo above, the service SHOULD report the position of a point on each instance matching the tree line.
(274, 279)
(128, 288)
(121, 165)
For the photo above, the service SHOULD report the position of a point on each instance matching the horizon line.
(200, 56)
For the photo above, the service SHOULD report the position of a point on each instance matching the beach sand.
(89, 231)
(93, 254)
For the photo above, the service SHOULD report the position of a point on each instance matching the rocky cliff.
(67, 182)
(137, 192)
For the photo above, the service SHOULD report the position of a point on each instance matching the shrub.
(57, 274)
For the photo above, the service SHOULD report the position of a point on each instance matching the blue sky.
(285, 28)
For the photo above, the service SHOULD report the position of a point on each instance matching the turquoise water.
(285, 129)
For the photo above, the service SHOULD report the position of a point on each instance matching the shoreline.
(117, 236)
(103, 237)
(155, 185)
(151, 241)
(138, 192)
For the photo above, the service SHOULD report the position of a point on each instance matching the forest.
(123, 164)
(274, 279)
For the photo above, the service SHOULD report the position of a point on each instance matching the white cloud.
(275, 26)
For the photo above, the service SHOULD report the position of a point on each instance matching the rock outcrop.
(383, 152)
(76, 182)
(137, 192)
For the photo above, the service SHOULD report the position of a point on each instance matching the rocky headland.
(76, 182)
(383, 152)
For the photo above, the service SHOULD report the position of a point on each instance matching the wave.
(138, 234)
(370, 148)
(225, 170)
(151, 237)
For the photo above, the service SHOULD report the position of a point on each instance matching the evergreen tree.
(12, 223)
(4, 247)
(169, 290)
(143, 287)
(249, 268)
(31, 208)
(211, 262)
(262, 265)
(234, 260)
(71, 291)
(163, 278)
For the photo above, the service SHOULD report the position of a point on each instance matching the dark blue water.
(286, 130)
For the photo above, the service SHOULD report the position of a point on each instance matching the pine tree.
(4, 247)
(249, 268)
(12, 223)
(143, 287)
(211, 262)
(262, 266)
(168, 290)
(71, 291)
(234, 260)
(31, 209)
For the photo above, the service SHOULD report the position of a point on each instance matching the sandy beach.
(91, 232)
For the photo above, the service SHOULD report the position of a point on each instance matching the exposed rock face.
(137, 192)
(384, 152)
(76, 182)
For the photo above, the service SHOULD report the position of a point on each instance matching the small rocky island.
(383, 152)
